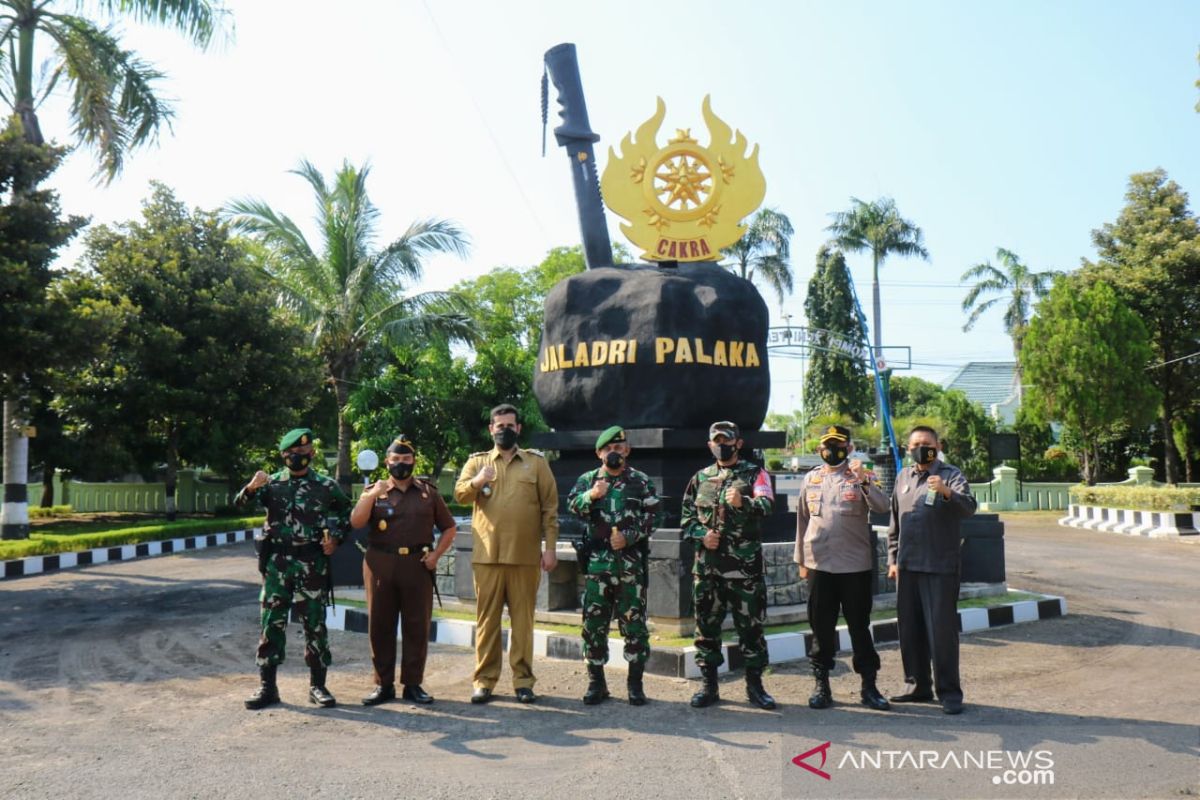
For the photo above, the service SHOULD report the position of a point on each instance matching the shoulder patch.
(537, 453)
(480, 453)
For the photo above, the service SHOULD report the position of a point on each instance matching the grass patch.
(48, 539)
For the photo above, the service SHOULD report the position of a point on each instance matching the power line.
(1173, 360)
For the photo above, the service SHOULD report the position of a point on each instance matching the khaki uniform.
(833, 541)
(508, 528)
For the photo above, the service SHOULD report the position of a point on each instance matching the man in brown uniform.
(516, 505)
(400, 514)
(833, 549)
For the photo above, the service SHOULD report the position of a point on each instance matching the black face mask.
(400, 471)
(505, 438)
(833, 457)
(296, 462)
(723, 452)
(614, 460)
(923, 454)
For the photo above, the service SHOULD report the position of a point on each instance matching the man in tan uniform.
(833, 549)
(516, 506)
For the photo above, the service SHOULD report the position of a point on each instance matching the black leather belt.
(414, 550)
(307, 551)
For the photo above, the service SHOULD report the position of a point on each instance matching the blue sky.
(1013, 125)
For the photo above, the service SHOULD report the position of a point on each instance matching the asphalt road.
(127, 680)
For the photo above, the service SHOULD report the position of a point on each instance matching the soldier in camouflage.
(308, 516)
(722, 506)
(621, 509)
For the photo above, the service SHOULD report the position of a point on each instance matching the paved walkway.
(126, 680)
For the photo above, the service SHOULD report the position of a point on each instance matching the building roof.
(985, 382)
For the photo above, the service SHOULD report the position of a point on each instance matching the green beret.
(296, 436)
(614, 434)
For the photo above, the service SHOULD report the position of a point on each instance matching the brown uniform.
(398, 584)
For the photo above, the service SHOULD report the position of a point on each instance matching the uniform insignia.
(383, 525)
(480, 453)
(537, 453)
(850, 494)
(815, 477)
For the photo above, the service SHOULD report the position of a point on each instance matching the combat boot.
(317, 693)
(821, 697)
(637, 695)
(755, 691)
(597, 691)
(268, 692)
(871, 698)
(709, 691)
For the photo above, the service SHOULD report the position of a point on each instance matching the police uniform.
(301, 511)
(833, 542)
(399, 586)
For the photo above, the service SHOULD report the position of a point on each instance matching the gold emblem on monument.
(684, 201)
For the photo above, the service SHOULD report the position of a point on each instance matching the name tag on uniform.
(850, 494)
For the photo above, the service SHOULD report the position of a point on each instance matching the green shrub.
(1145, 498)
(44, 544)
(39, 512)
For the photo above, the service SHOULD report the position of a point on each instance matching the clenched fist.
(733, 496)
(712, 540)
(259, 480)
(599, 489)
(484, 476)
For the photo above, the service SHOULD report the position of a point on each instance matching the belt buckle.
(402, 551)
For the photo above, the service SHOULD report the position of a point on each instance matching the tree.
(764, 251)
(351, 293)
(114, 105)
(914, 397)
(834, 382)
(32, 231)
(1151, 256)
(1085, 355)
(202, 364)
(964, 431)
(1022, 286)
(877, 227)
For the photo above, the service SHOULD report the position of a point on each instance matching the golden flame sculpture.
(684, 201)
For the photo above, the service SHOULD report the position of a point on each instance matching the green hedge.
(1142, 498)
(45, 544)
(39, 512)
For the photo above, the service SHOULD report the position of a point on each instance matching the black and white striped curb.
(1183, 525)
(36, 565)
(681, 662)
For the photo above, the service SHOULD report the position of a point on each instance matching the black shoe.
(597, 690)
(525, 695)
(871, 698)
(756, 693)
(418, 695)
(637, 695)
(481, 695)
(380, 694)
(952, 707)
(914, 696)
(267, 693)
(317, 693)
(709, 690)
(821, 697)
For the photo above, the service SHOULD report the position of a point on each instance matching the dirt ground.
(127, 680)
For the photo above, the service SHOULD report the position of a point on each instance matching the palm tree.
(763, 249)
(351, 293)
(114, 109)
(878, 227)
(1022, 286)
(114, 105)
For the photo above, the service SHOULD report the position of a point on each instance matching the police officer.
(722, 507)
(833, 549)
(398, 570)
(308, 516)
(620, 506)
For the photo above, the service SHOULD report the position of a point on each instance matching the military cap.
(835, 433)
(295, 437)
(402, 444)
(724, 428)
(614, 434)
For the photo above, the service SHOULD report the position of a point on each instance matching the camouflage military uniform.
(616, 580)
(299, 511)
(730, 577)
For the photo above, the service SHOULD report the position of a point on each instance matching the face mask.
(722, 452)
(833, 457)
(614, 460)
(296, 462)
(505, 438)
(923, 454)
(400, 471)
